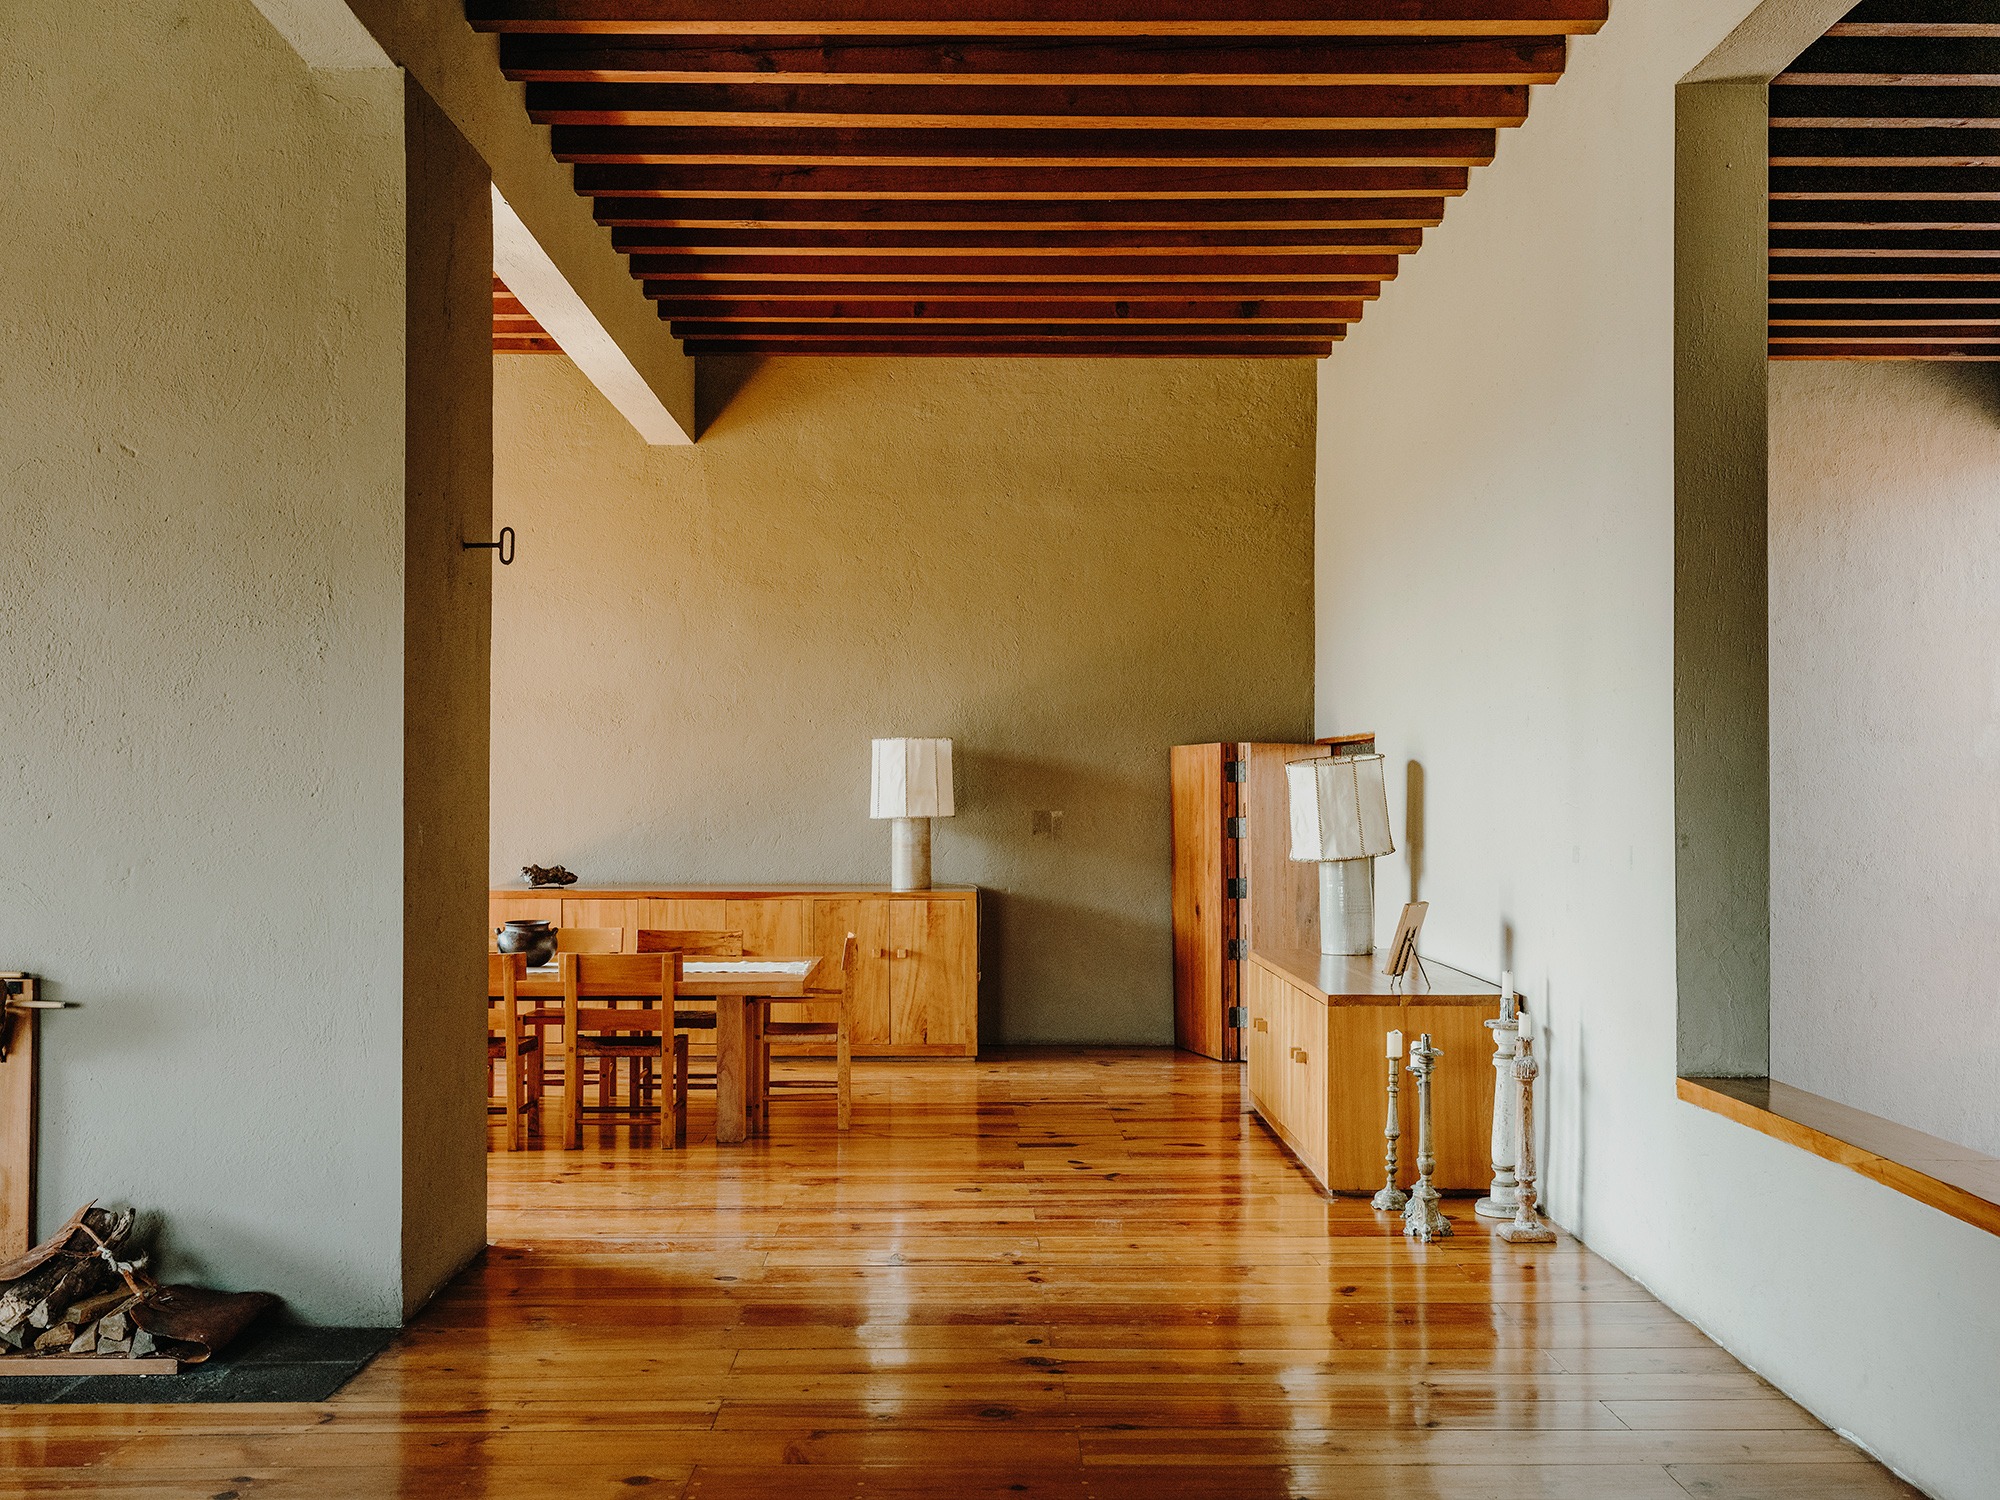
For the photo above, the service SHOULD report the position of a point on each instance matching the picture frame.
(1403, 946)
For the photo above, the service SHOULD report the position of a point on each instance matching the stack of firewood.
(76, 1293)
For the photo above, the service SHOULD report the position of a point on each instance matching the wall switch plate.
(1045, 825)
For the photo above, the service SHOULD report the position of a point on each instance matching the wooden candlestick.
(1391, 1197)
(1499, 1200)
(1422, 1218)
(1527, 1227)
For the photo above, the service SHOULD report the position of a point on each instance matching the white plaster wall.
(1496, 489)
(1885, 740)
(1068, 566)
(202, 615)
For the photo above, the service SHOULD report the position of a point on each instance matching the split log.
(143, 1344)
(83, 1343)
(62, 1271)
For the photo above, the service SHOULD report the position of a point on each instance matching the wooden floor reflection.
(1074, 1274)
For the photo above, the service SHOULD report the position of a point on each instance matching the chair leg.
(680, 1088)
(843, 1072)
(572, 1097)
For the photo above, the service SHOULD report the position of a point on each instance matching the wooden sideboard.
(1318, 1069)
(917, 970)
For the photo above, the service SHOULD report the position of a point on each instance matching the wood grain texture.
(1952, 1179)
(1194, 777)
(925, 1004)
(1046, 108)
(1882, 154)
(1282, 909)
(1051, 1273)
(17, 1125)
(1328, 1105)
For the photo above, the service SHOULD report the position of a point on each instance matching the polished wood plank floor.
(1071, 1274)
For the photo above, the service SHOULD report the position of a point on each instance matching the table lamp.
(1340, 821)
(911, 784)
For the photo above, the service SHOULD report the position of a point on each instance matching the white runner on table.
(746, 965)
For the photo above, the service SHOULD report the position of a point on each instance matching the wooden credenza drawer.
(917, 952)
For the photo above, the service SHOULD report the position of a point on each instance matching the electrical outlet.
(1045, 825)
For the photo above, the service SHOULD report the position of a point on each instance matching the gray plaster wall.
(202, 691)
(1885, 739)
(447, 638)
(1496, 601)
(1068, 566)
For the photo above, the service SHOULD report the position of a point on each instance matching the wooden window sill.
(1952, 1179)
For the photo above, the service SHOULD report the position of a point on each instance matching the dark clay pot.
(536, 939)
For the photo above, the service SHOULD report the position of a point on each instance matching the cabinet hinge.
(1236, 948)
(1236, 770)
(1236, 1016)
(1238, 887)
(1236, 828)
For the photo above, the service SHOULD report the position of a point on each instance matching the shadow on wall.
(1069, 894)
(1040, 943)
(1975, 383)
(717, 379)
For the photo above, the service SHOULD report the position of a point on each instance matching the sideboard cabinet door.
(934, 973)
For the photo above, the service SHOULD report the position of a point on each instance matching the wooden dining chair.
(590, 940)
(691, 944)
(514, 1048)
(839, 1028)
(644, 1032)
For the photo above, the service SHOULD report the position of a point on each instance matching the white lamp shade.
(1340, 808)
(912, 779)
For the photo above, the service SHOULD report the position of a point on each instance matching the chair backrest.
(841, 982)
(651, 977)
(590, 940)
(697, 944)
(503, 972)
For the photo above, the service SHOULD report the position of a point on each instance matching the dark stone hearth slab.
(278, 1363)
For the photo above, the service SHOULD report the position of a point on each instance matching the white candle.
(1507, 992)
(1395, 1044)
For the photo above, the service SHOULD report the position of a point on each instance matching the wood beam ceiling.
(1069, 177)
(1885, 187)
(515, 330)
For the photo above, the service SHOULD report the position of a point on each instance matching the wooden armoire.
(1234, 883)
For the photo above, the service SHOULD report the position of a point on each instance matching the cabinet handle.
(902, 953)
(1299, 1055)
(1257, 1022)
(883, 953)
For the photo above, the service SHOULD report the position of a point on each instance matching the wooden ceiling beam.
(880, 146)
(975, 106)
(1887, 313)
(1886, 184)
(1029, 60)
(1781, 349)
(943, 293)
(1900, 216)
(1882, 242)
(1889, 333)
(1024, 348)
(1165, 312)
(1884, 292)
(1850, 61)
(1030, 184)
(1033, 329)
(1111, 18)
(1863, 268)
(1235, 266)
(1822, 107)
(1013, 213)
(1059, 243)
(1820, 144)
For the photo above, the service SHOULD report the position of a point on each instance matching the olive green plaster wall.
(1066, 566)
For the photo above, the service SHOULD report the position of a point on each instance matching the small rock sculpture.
(547, 875)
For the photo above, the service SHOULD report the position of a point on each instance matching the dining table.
(742, 989)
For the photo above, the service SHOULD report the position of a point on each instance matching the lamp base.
(910, 854)
(1347, 906)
